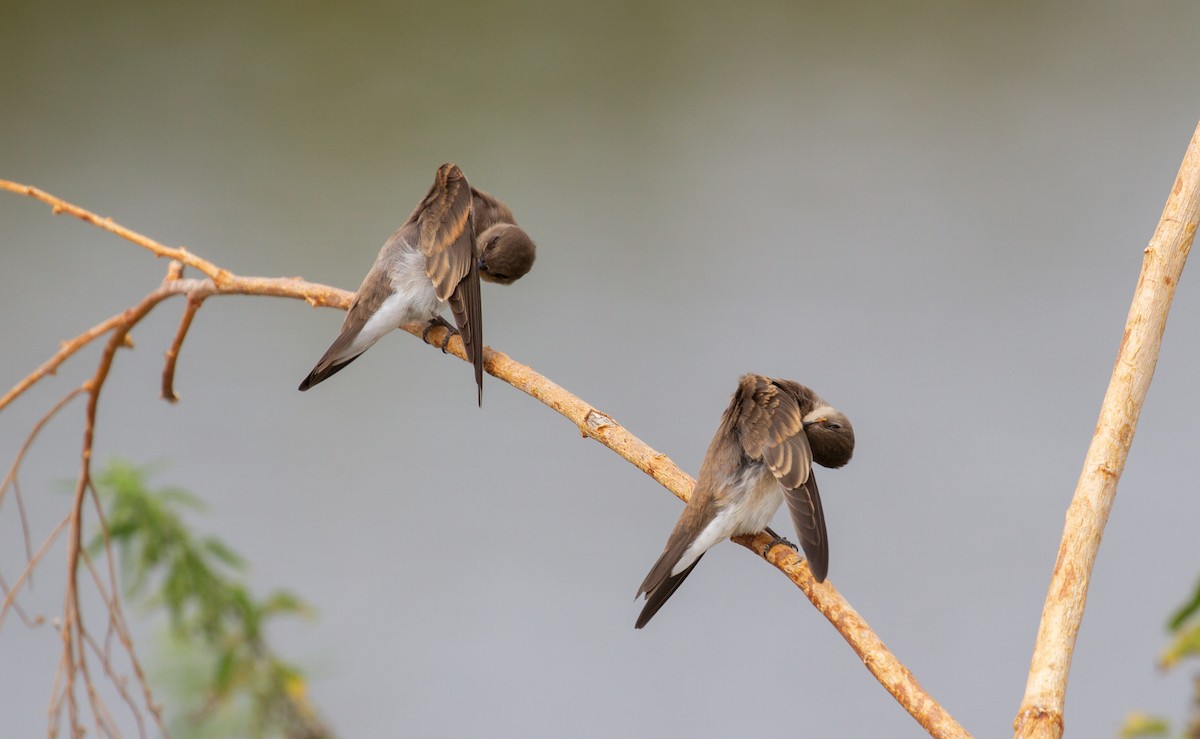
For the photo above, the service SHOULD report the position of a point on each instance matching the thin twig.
(30, 621)
(63, 354)
(1041, 712)
(12, 479)
(21, 513)
(117, 622)
(61, 206)
(103, 654)
(73, 631)
(10, 596)
(168, 375)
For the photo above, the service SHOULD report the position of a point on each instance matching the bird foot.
(435, 322)
(776, 539)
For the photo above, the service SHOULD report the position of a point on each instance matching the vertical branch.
(168, 376)
(1041, 712)
(72, 631)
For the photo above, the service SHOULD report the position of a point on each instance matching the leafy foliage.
(1184, 625)
(216, 623)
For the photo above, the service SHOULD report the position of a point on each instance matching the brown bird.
(761, 455)
(456, 236)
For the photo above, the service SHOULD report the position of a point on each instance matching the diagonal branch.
(591, 423)
(884, 665)
(65, 351)
(1041, 712)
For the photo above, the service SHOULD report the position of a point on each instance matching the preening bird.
(456, 236)
(762, 454)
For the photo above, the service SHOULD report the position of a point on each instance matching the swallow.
(456, 236)
(761, 455)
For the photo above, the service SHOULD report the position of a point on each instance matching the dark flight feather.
(447, 238)
(661, 592)
(808, 518)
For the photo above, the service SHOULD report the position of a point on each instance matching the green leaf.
(285, 602)
(223, 677)
(1138, 724)
(1185, 644)
(1185, 611)
(224, 554)
(212, 613)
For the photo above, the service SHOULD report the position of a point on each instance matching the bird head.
(830, 436)
(506, 253)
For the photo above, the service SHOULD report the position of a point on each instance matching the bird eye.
(833, 426)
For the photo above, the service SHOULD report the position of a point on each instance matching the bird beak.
(822, 419)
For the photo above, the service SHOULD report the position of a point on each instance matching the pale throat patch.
(821, 411)
(412, 299)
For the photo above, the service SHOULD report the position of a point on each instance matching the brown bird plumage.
(435, 258)
(761, 455)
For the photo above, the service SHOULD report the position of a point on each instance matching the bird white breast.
(413, 299)
(754, 496)
(410, 278)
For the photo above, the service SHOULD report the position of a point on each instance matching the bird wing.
(446, 236)
(658, 595)
(804, 503)
(772, 429)
(374, 290)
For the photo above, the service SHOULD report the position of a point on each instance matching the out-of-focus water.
(931, 213)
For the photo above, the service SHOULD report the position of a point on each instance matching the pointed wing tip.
(654, 601)
(647, 611)
(819, 572)
(321, 374)
(817, 557)
(659, 589)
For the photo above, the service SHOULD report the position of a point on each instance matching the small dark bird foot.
(435, 322)
(776, 539)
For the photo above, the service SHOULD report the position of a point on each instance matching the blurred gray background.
(933, 214)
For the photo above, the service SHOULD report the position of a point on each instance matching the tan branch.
(72, 630)
(1041, 712)
(590, 422)
(63, 354)
(61, 206)
(11, 480)
(168, 376)
(11, 595)
(884, 665)
(103, 654)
